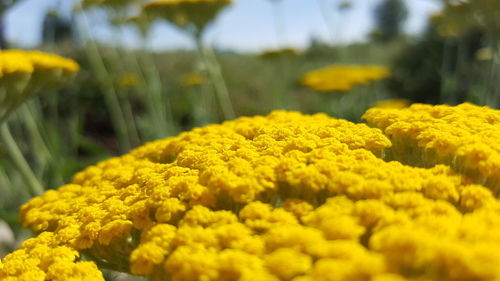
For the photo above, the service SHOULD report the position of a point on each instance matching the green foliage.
(56, 29)
(437, 69)
(390, 16)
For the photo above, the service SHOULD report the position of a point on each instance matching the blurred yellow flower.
(12, 63)
(392, 103)
(453, 20)
(141, 22)
(458, 17)
(25, 74)
(279, 53)
(484, 54)
(343, 77)
(190, 15)
(192, 79)
(129, 80)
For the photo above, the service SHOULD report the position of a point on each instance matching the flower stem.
(327, 19)
(110, 94)
(159, 104)
(279, 24)
(20, 162)
(214, 72)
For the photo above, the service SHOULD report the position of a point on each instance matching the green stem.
(159, 110)
(159, 105)
(281, 99)
(20, 162)
(215, 74)
(130, 119)
(3, 40)
(110, 94)
(279, 24)
(327, 19)
(122, 60)
(42, 149)
(445, 73)
(494, 74)
(5, 182)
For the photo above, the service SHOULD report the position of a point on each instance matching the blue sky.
(248, 25)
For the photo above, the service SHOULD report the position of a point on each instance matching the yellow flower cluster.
(24, 74)
(279, 197)
(42, 258)
(343, 77)
(466, 137)
(12, 63)
(190, 15)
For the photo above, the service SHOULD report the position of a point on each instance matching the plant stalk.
(20, 162)
(214, 72)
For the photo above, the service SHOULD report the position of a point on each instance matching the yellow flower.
(343, 77)
(12, 63)
(465, 137)
(129, 80)
(485, 54)
(42, 258)
(280, 197)
(190, 15)
(25, 74)
(279, 53)
(192, 79)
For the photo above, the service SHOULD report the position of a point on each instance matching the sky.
(247, 25)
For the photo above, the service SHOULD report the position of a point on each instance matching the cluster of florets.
(282, 197)
(343, 77)
(465, 137)
(25, 74)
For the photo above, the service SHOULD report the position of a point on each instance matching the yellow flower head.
(25, 74)
(279, 53)
(41, 258)
(129, 80)
(343, 77)
(192, 79)
(279, 197)
(485, 54)
(465, 137)
(13, 63)
(190, 15)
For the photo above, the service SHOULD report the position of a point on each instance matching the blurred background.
(152, 70)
